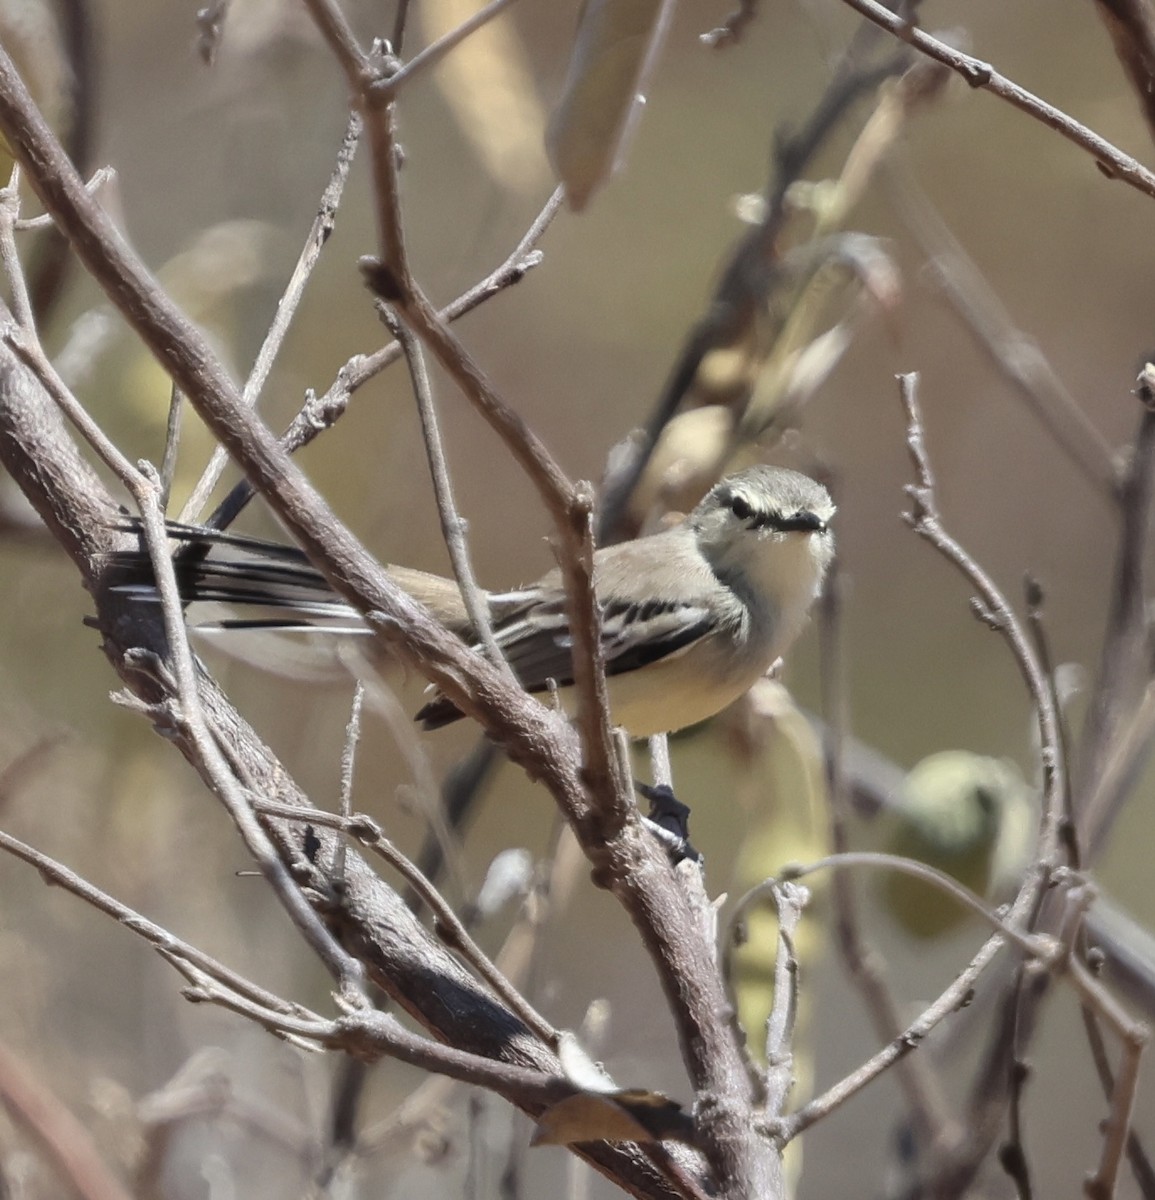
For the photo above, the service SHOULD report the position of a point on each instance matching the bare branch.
(435, 52)
(453, 525)
(449, 927)
(998, 614)
(1110, 160)
(1131, 24)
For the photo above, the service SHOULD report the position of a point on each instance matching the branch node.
(987, 615)
(977, 74)
(381, 279)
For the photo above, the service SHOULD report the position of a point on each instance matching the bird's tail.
(216, 566)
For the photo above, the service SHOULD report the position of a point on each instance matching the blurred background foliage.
(218, 174)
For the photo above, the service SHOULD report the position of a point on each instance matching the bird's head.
(743, 520)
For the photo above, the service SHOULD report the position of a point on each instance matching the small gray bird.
(691, 617)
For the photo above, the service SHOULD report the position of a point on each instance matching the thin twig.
(1134, 1038)
(453, 525)
(318, 235)
(449, 926)
(157, 936)
(1033, 946)
(28, 350)
(171, 446)
(1012, 1153)
(374, 1033)
(954, 998)
(423, 794)
(436, 51)
(1110, 160)
(347, 971)
(1033, 595)
(1137, 1156)
(348, 765)
(789, 901)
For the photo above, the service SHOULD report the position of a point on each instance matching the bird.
(690, 616)
(969, 815)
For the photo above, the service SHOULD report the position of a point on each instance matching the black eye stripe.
(801, 521)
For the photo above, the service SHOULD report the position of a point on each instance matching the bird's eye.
(740, 508)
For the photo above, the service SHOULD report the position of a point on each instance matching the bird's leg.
(669, 820)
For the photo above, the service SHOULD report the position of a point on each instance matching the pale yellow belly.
(672, 694)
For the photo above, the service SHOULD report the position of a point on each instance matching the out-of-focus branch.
(1015, 355)
(927, 1105)
(64, 1143)
(745, 283)
(1125, 660)
(1131, 24)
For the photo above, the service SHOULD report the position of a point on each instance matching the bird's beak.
(804, 522)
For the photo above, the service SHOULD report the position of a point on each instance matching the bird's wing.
(639, 626)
